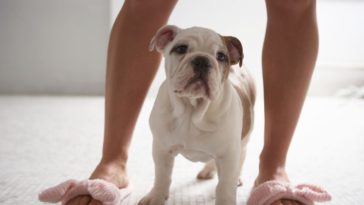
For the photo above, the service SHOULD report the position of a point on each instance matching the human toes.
(296, 203)
(80, 200)
(95, 202)
(279, 202)
(289, 202)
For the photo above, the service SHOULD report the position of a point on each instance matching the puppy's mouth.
(196, 83)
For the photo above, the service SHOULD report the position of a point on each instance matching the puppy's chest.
(182, 131)
(181, 136)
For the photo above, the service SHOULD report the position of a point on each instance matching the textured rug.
(45, 140)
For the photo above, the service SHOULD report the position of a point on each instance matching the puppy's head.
(197, 60)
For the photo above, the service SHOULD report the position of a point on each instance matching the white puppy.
(204, 109)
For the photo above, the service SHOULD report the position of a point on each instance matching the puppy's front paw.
(153, 199)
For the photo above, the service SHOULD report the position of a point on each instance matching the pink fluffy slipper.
(271, 191)
(101, 190)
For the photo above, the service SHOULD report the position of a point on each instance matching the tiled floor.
(45, 140)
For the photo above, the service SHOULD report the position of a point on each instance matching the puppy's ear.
(163, 37)
(235, 50)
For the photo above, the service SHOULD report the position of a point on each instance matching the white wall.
(243, 19)
(59, 47)
(341, 57)
(341, 26)
(53, 46)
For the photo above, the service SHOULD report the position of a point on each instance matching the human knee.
(292, 6)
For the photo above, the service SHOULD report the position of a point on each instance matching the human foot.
(110, 172)
(274, 188)
(278, 175)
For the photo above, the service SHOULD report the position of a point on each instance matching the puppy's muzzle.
(201, 65)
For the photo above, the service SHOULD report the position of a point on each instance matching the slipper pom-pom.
(102, 190)
(54, 194)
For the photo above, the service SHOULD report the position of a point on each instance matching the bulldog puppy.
(204, 109)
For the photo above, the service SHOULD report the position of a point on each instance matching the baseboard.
(328, 80)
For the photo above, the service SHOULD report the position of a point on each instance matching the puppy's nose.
(200, 65)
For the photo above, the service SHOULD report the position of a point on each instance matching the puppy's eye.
(180, 49)
(220, 56)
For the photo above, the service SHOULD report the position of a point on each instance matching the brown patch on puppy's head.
(235, 50)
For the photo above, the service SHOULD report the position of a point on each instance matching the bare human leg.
(289, 56)
(130, 71)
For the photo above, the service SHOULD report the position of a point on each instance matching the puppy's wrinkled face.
(197, 60)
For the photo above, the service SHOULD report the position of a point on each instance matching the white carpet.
(45, 140)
